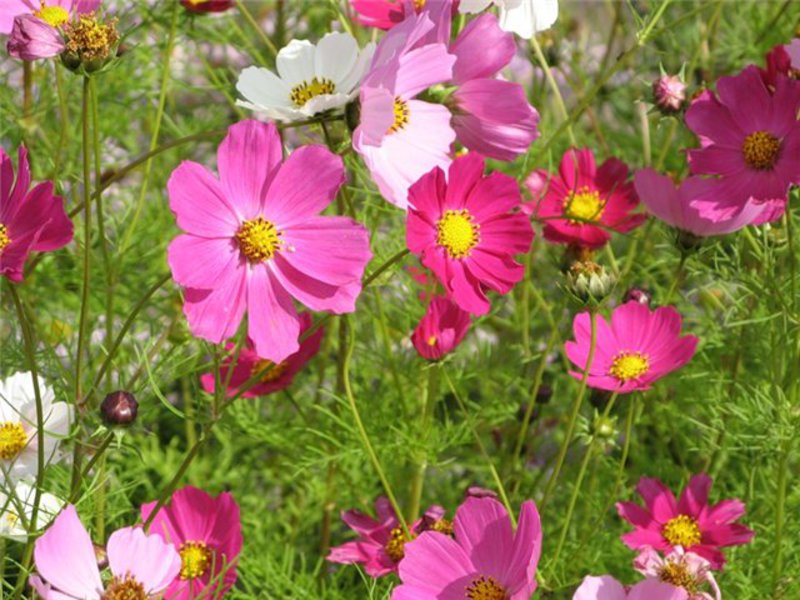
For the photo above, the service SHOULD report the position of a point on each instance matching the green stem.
(780, 505)
(548, 74)
(259, 31)
(27, 88)
(677, 278)
(427, 403)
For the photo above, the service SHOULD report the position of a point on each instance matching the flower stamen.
(303, 92)
(125, 588)
(259, 239)
(400, 116)
(629, 365)
(457, 233)
(486, 588)
(13, 439)
(4, 239)
(195, 559)
(584, 205)
(683, 530)
(270, 371)
(55, 16)
(395, 546)
(761, 150)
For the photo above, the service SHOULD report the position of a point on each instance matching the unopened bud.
(119, 408)
(589, 282)
(669, 93)
(475, 491)
(638, 295)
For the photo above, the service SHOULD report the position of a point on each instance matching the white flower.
(20, 501)
(523, 17)
(19, 441)
(310, 79)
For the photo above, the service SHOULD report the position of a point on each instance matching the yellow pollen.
(303, 92)
(629, 365)
(457, 233)
(195, 559)
(126, 588)
(259, 239)
(761, 150)
(400, 116)
(486, 588)
(431, 341)
(419, 5)
(89, 39)
(394, 547)
(12, 439)
(4, 239)
(270, 370)
(584, 205)
(55, 16)
(442, 526)
(682, 531)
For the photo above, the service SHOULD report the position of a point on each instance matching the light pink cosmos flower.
(141, 565)
(207, 533)
(487, 558)
(690, 522)
(681, 569)
(254, 240)
(53, 12)
(441, 330)
(401, 138)
(467, 232)
(606, 587)
(31, 220)
(582, 202)
(636, 349)
(381, 543)
(749, 140)
(276, 376)
(673, 205)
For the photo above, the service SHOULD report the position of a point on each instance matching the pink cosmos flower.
(53, 12)
(441, 329)
(673, 205)
(606, 587)
(466, 231)
(207, 6)
(682, 569)
(383, 14)
(636, 349)
(381, 542)
(254, 240)
(31, 220)
(487, 558)
(207, 534)
(141, 565)
(583, 202)
(401, 138)
(34, 39)
(781, 60)
(276, 377)
(749, 139)
(689, 523)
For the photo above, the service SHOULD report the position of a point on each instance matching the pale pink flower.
(681, 569)
(606, 587)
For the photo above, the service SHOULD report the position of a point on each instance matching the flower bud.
(669, 93)
(90, 44)
(101, 556)
(475, 491)
(119, 408)
(638, 295)
(589, 282)
(206, 6)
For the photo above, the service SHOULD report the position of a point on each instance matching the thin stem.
(27, 88)
(259, 31)
(677, 279)
(427, 403)
(548, 74)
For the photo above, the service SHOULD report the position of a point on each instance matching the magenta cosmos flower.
(31, 220)
(207, 6)
(207, 533)
(384, 14)
(606, 587)
(276, 376)
(749, 139)
(582, 203)
(637, 348)
(487, 559)
(441, 329)
(467, 229)
(782, 60)
(141, 565)
(381, 542)
(254, 240)
(401, 138)
(53, 12)
(690, 523)
(682, 569)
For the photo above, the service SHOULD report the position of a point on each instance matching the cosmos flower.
(782, 61)
(441, 330)
(637, 348)
(465, 228)
(583, 202)
(31, 220)
(682, 569)
(485, 559)
(53, 12)
(669, 93)
(691, 523)
(207, 533)
(384, 14)
(311, 78)
(254, 240)
(141, 565)
(749, 140)
(523, 17)
(16, 509)
(207, 6)
(606, 587)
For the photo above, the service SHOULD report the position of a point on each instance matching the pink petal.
(273, 324)
(636, 515)
(483, 529)
(653, 589)
(433, 561)
(199, 203)
(658, 498)
(215, 315)
(604, 587)
(147, 558)
(481, 49)
(521, 571)
(731, 534)
(694, 498)
(421, 68)
(725, 511)
(201, 263)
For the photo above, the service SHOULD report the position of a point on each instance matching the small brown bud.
(119, 408)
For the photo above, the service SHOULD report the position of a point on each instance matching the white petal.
(295, 62)
(263, 88)
(529, 17)
(335, 57)
(317, 104)
(351, 82)
(473, 6)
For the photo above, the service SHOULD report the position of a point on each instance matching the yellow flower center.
(394, 547)
(679, 575)
(270, 371)
(307, 90)
(442, 526)
(486, 588)
(419, 5)
(4, 239)
(683, 531)
(761, 150)
(195, 559)
(55, 16)
(431, 341)
(126, 588)
(259, 239)
(12, 439)
(89, 39)
(584, 205)
(629, 365)
(457, 233)
(400, 116)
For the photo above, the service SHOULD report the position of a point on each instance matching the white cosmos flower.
(523, 17)
(310, 78)
(19, 441)
(19, 500)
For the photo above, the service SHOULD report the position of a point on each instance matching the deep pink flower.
(583, 202)
(254, 240)
(141, 565)
(487, 558)
(606, 587)
(441, 329)
(681, 569)
(31, 220)
(33, 39)
(277, 376)
(380, 546)
(54, 12)
(690, 523)
(467, 230)
(636, 349)
(669, 93)
(749, 138)
(673, 205)
(207, 6)
(782, 60)
(207, 533)
(383, 14)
